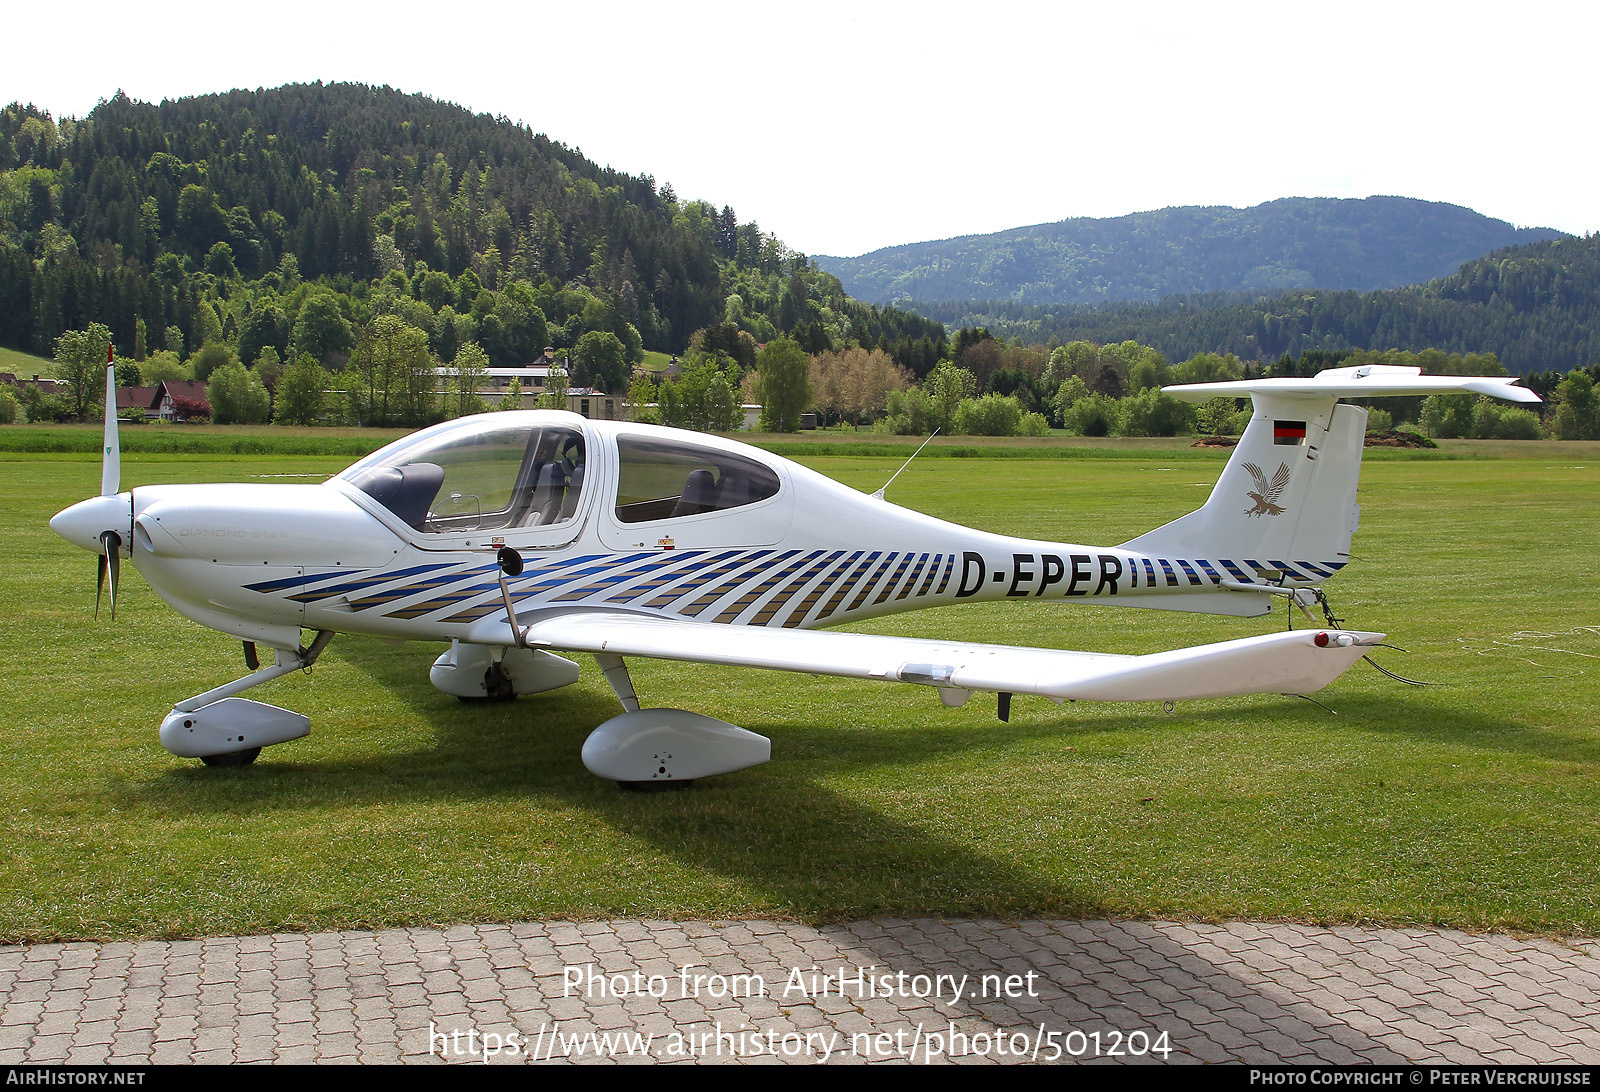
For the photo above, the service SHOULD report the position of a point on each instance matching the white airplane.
(512, 535)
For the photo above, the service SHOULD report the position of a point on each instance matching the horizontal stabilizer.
(1367, 381)
(1276, 663)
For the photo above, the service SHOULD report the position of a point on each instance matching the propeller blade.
(100, 582)
(115, 554)
(111, 456)
(110, 560)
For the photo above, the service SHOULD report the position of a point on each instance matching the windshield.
(479, 477)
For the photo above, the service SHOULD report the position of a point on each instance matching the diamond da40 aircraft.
(515, 536)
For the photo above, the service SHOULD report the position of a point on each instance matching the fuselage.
(622, 517)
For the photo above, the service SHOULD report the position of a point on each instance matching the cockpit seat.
(569, 504)
(699, 494)
(546, 496)
(735, 490)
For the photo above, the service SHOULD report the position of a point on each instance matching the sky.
(845, 127)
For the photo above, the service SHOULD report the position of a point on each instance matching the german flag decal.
(1288, 432)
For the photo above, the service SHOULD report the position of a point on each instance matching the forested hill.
(200, 215)
(1537, 307)
(1298, 242)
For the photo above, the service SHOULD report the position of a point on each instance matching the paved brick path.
(1219, 993)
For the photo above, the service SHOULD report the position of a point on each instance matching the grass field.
(349, 441)
(26, 365)
(1472, 803)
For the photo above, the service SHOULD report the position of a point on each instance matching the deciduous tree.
(302, 393)
(392, 376)
(856, 383)
(641, 401)
(785, 384)
(948, 386)
(81, 364)
(702, 398)
(555, 389)
(471, 370)
(238, 396)
(998, 415)
(321, 329)
(210, 356)
(602, 358)
(1578, 413)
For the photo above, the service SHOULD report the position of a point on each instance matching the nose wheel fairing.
(218, 726)
(230, 727)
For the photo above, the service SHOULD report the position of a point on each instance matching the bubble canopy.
(483, 473)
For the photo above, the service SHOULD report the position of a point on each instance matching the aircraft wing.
(1277, 663)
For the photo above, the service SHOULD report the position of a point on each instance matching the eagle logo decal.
(1266, 494)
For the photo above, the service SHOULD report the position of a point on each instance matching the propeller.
(110, 480)
(101, 523)
(110, 561)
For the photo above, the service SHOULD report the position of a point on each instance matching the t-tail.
(1284, 509)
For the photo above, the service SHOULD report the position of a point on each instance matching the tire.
(232, 758)
(655, 786)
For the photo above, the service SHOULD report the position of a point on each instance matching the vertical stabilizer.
(1289, 491)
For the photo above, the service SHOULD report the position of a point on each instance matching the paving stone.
(1241, 992)
(49, 1048)
(96, 1031)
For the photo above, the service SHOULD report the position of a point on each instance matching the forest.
(1536, 307)
(219, 218)
(315, 253)
(1292, 243)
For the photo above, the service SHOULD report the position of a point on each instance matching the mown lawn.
(26, 365)
(1472, 803)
